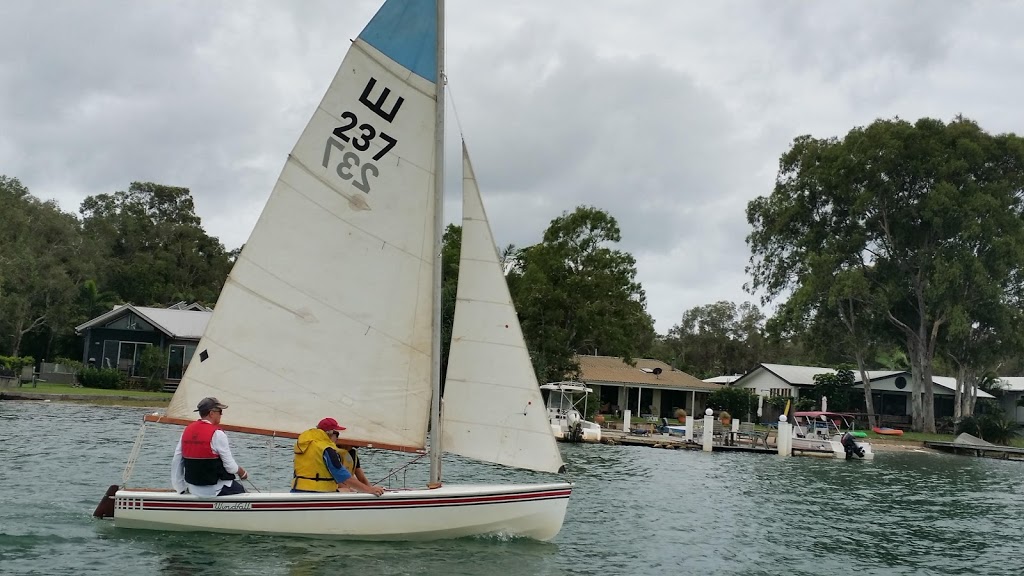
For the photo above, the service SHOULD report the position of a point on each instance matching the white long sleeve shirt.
(219, 444)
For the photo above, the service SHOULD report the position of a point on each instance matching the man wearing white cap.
(202, 462)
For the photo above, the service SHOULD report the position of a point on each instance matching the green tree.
(838, 388)
(716, 339)
(42, 261)
(929, 213)
(154, 246)
(740, 403)
(450, 252)
(576, 294)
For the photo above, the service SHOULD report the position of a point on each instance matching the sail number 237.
(351, 166)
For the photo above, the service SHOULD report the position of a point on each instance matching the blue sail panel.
(406, 32)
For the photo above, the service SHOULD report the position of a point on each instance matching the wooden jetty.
(673, 443)
(979, 450)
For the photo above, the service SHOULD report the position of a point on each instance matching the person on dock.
(202, 462)
(319, 467)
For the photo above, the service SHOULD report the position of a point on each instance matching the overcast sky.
(671, 115)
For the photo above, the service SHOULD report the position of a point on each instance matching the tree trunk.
(915, 386)
(929, 398)
(972, 394)
(16, 338)
(958, 396)
(869, 404)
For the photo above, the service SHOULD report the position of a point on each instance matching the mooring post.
(709, 428)
(784, 440)
(688, 434)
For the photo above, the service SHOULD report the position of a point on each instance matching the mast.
(435, 401)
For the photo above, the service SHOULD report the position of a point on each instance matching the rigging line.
(395, 471)
(455, 109)
(133, 456)
(253, 486)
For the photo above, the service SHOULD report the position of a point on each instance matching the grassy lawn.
(66, 389)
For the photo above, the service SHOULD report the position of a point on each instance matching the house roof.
(950, 383)
(793, 375)
(804, 376)
(1013, 383)
(726, 379)
(175, 322)
(614, 370)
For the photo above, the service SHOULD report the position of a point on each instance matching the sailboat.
(333, 309)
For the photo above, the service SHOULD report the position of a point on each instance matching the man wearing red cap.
(318, 468)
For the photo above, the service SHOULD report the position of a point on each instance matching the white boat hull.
(823, 446)
(532, 511)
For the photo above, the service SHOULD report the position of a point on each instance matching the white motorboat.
(333, 308)
(819, 432)
(567, 423)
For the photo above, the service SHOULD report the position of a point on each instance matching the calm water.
(634, 511)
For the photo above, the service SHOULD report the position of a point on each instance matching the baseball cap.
(211, 403)
(328, 424)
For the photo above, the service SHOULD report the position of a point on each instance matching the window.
(128, 357)
(785, 392)
(130, 322)
(109, 358)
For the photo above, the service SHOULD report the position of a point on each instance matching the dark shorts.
(234, 488)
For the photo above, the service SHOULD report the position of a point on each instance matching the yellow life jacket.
(311, 474)
(346, 460)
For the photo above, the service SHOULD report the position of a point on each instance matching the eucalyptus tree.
(930, 213)
(576, 294)
(977, 343)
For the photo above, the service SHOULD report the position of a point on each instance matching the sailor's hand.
(376, 490)
(242, 473)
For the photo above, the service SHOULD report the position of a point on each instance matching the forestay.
(493, 409)
(327, 311)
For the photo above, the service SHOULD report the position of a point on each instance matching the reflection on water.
(634, 511)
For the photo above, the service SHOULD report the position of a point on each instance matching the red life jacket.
(203, 466)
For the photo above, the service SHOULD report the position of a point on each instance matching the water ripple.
(634, 511)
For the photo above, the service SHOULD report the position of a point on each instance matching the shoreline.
(101, 400)
(878, 444)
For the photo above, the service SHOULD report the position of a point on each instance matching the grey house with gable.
(117, 338)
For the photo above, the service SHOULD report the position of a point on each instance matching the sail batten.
(493, 410)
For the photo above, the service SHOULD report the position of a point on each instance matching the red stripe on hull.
(356, 504)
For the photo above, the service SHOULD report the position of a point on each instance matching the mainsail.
(493, 409)
(327, 311)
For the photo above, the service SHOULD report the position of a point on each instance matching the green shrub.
(968, 424)
(997, 428)
(16, 363)
(72, 365)
(152, 364)
(106, 378)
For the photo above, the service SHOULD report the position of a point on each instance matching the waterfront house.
(651, 388)
(117, 338)
(1013, 392)
(890, 389)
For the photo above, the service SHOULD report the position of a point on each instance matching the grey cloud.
(669, 115)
